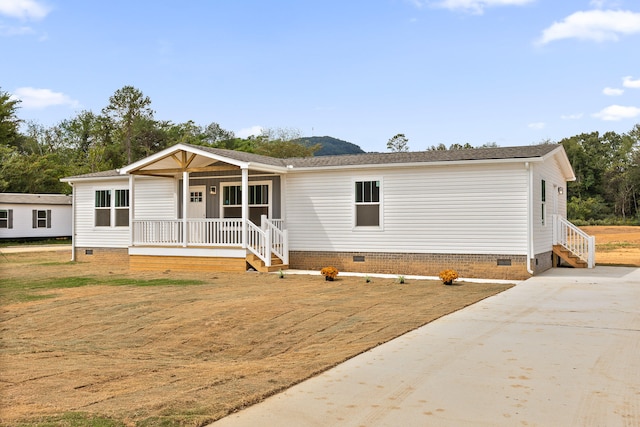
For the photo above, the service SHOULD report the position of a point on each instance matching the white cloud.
(611, 91)
(577, 116)
(247, 132)
(629, 82)
(43, 98)
(24, 9)
(617, 112)
(597, 25)
(471, 6)
(537, 125)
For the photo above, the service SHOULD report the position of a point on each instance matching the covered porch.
(226, 212)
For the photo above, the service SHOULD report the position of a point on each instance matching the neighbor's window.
(41, 218)
(367, 199)
(110, 210)
(6, 218)
(543, 197)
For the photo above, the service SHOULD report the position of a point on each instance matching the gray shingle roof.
(103, 174)
(497, 153)
(35, 199)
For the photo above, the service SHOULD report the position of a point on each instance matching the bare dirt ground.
(616, 245)
(185, 354)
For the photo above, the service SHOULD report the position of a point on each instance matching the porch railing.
(200, 232)
(572, 238)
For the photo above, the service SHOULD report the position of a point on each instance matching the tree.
(398, 143)
(126, 107)
(9, 122)
(283, 143)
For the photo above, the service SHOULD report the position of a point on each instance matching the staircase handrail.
(259, 243)
(279, 238)
(572, 238)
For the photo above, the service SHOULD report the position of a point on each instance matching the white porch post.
(132, 207)
(185, 204)
(245, 206)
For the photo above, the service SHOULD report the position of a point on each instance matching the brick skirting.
(111, 256)
(511, 267)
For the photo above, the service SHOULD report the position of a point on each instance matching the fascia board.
(565, 164)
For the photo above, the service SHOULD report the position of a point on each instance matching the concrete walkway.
(560, 349)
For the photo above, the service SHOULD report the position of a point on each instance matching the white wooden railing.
(268, 239)
(577, 241)
(158, 232)
(200, 232)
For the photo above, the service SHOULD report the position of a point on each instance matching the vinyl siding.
(155, 199)
(23, 226)
(548, 170)
(86, 233)
(430, 209)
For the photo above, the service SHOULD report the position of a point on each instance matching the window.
(543, 197)
(103, 208)
(258, 201)
(258, 195)
(122, 208)
(367, 200)
(41, 218)
(110, 210)
(6, 218)
(195, 196)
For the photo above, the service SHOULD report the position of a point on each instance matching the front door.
(197, 206)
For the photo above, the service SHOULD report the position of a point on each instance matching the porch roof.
(193, 158)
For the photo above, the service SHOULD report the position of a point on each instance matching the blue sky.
(514, 72)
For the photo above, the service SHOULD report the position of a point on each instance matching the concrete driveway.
(560, 349)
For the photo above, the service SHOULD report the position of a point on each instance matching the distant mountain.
(331, 146)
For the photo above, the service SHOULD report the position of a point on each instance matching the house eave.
(292, 168)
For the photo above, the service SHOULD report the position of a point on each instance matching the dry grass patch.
(119, 348)
(616, 245)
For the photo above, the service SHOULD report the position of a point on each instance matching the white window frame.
(380, 204)
(112, 208)
(268, 205)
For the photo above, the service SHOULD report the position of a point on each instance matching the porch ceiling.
(176, 163)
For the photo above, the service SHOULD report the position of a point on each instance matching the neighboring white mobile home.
(490, 212)
(33, 216)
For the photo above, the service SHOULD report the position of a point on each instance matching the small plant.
(448, 276)
(401, 280)
(367, 279)
(281, 274)
(329, 273)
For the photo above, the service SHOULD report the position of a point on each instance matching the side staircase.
(259, 265)
(268, 245)
(573, 245)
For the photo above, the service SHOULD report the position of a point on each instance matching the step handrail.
(575, 240)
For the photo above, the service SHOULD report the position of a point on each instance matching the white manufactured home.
(34, 216)
(489, 212)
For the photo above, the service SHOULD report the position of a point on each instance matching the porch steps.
(276, 264)
(569, 257)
